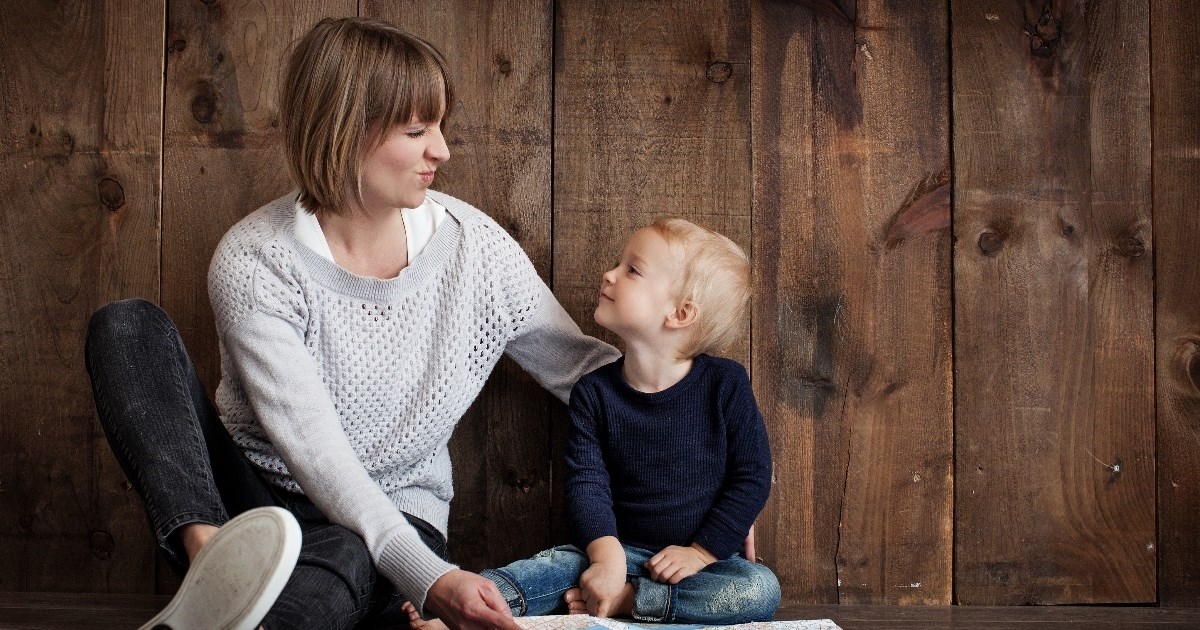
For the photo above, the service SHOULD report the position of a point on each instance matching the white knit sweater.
(348, 388)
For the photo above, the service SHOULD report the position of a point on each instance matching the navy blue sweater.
(688, 464)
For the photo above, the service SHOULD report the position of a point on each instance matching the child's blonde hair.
(348, 82)
(715, 278)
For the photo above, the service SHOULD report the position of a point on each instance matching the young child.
(668, 463)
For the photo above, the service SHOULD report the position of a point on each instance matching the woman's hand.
(602, 584)
(466, 601)
(673, 564)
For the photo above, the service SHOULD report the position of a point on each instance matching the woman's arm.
(280, 379)
(553, 349)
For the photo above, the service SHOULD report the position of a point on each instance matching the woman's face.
(399, 171)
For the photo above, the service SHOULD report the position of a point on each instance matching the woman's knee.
(123, 319)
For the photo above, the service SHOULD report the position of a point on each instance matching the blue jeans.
(725, 592)
(175, 452)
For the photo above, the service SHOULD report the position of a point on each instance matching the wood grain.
(1176, 92)
(499, 136)
(1054, 303)
(851, 330)
(79, 173)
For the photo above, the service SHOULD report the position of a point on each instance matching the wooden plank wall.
(974, 336)
(1054, 314)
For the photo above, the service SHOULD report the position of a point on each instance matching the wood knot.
(524, 486)
(719, 71)
(1045, 35)
(204, 107)
(102, 544)
(178, 45)
(1131, 246)
(503, 64)
(1186, 369)
(990, 242)
(112, 194)
(26, 521)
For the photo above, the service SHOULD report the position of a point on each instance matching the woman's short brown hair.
(715, 278)
(349, 81)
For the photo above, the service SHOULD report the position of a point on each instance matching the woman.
(358, 319)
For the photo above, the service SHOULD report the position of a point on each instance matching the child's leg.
(535, 586)
(726, 592)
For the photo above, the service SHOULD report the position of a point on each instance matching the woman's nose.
(437, 149)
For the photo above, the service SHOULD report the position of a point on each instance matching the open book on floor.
(587, 622)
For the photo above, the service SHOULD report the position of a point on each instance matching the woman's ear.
(683, 316)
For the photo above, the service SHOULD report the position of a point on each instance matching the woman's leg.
(725, 592)
(163, 430)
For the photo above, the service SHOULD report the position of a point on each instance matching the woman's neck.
(652, 370)
(372, 244)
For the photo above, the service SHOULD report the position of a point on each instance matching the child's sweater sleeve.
(589, 502)
(747, 473)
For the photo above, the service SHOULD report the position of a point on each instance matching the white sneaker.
(237, 575)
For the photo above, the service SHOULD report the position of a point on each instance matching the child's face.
(637, 295)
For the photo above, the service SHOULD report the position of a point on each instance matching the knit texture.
(348, 388)
(688, 464)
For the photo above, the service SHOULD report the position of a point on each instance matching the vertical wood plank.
(222, 149)
(652, 105)
(222, 153)
(499, 136)
(1054, 307)
(81, 87)
(851, 331)
(1176, 92)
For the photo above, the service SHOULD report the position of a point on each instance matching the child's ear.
(683, 316)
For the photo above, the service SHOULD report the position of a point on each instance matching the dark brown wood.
(1054, 310)
(651, 119)
(79, 175)
(851, 329)
(499, 136)
(1176, 91)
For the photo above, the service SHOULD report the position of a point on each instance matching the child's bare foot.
(417, 623)
(575, 603)
(622, 607)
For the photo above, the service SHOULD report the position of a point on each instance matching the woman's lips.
(426, 177)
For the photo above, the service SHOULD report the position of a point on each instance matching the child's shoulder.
(724, 368)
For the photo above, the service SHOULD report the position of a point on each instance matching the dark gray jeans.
(170, 442)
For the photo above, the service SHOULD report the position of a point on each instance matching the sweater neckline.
(699, 364)
(327, 273)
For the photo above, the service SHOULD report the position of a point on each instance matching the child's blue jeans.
(725, 592)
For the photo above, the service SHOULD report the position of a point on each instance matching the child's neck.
(653, 370)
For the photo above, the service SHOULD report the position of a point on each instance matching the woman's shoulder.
(475, 222)
(257, 229)
(254, 241)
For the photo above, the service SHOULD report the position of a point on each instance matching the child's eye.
(634, 270)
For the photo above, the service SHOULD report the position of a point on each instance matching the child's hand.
(602, 584)
(673, 564)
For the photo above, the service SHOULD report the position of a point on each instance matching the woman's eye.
(417, 133)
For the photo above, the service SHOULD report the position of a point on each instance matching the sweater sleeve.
(553, 349)
(588, 489)
(265, 348)
(747, 471)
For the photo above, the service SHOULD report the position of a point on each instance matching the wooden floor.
(63, 611)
